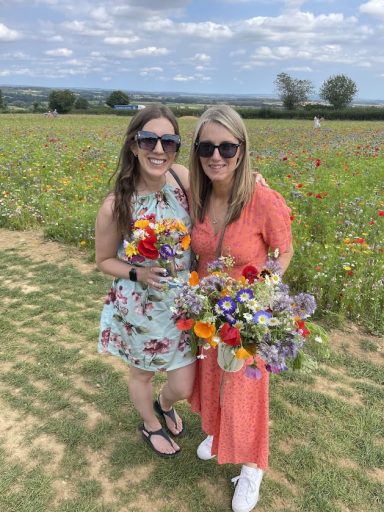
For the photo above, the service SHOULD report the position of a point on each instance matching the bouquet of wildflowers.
(164, 240)
(247, 317)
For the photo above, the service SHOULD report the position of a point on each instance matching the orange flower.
(185, 242)
(204, 330)
(193, 278)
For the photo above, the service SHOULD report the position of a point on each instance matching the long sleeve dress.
(239, 421)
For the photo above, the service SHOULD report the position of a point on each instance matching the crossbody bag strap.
(220, 243)
(178, 180)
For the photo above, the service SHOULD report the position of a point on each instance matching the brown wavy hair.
(201, 185)
(127, 172)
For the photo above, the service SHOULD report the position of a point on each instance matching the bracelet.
(133, 274)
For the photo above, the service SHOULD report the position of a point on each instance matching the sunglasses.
(226, 149)
(148, 140)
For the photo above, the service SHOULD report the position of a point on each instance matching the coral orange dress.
(239, 423)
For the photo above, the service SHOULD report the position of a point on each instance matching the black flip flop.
(171, 414)
(147, 434)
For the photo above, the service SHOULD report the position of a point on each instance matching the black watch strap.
(133, 274)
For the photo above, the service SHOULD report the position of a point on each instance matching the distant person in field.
(316, 122)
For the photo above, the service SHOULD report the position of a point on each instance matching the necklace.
(215, 220)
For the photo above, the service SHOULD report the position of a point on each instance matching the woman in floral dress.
(229, 209)
(136, 321)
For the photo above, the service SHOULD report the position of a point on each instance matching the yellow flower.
(241, 353)
(141, 223)
(130, 250)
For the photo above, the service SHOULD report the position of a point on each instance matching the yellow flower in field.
(83, 242)
(130, 250)
(347, 267)
(141, 223)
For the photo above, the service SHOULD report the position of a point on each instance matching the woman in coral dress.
(247, 220)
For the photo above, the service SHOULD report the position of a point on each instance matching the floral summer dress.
(136, 321)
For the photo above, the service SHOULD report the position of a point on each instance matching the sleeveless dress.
(239, 421)
(136, 321)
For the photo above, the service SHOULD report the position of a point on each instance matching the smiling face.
(219, 170)
(156, 162)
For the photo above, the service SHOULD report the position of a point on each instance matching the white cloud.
(374, 7)
(7, 34)
(121, 40)
(59, 52)
(150, 51)
(183, 78)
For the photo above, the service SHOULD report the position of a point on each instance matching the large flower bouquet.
(164, 240)
(248, 317)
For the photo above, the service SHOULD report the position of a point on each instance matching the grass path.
(68, 432)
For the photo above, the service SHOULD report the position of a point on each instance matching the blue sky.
(198, 46)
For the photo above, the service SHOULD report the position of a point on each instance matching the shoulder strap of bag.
(178, 180)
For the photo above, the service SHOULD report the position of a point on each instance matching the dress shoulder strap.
(178, 180)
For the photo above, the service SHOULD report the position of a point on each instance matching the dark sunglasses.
(226, 149)
(148, 140)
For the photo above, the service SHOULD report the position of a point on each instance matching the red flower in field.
(350, 273)
(359, 240)
(285, 158)
(289, 175)
(321, 195)
(371, 222)
(317, 162)
(309, 194)
(250, 273)
(381, 213)
(318, 268)
(230, 335)
(300, 185)
(292, 218)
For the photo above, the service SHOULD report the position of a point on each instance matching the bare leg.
(179, 386)
(140, 391)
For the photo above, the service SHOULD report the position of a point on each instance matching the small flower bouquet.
(248, 317)
(164, 240)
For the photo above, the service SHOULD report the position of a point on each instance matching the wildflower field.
(54, 174)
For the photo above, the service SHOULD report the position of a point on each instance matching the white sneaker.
(204, 449)
(247, 489)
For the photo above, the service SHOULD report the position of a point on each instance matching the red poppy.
(371, 222)
(381, 213)
(292, 218)
(285, 158)
(317, 162)
(318, 268)
(300, 185)
(289, 175)
(251, 273)
(301, 327)
(184, 324)
(230, 335)
(147, 247)
(359, 240)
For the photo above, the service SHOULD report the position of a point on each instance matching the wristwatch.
(133, 274)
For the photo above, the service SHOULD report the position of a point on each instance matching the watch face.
(133, 274)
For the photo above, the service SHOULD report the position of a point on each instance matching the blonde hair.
(243, 182)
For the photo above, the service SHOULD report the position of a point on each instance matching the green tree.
(81, 103)
(117, 98)
(2, 105)
(338, 90)
(62, 100)
(292, 91)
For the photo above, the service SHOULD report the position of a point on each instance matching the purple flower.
(166, 252)
(274, 266)
(227, 305)
(212, 284)
(262, 317)
(215, 266)
(252, 372)
(244, 295)
(304, 305)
